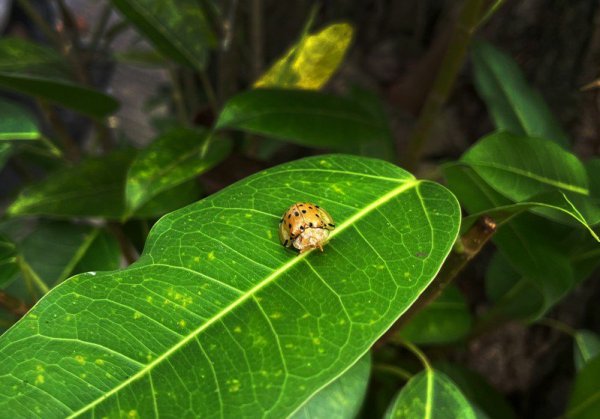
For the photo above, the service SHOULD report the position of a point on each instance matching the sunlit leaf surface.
(217, 318)
(312, 61)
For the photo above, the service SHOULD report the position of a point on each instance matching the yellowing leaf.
(312, 61)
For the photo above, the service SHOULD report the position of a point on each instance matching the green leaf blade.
(179, 29)
(429, 395)
(514, 106)
(304, 117)
(216, 300)
(17, 123)
(170, 160)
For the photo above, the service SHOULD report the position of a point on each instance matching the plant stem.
(444, 81)
(178, 97)
(209, 92)
(419, 354)
(256, 37)
(127, 249)
(30, 275)
(489, 13)
(465, 249)
(59, 128)
(85, 245)
(100, 27)
(41, 23)
(558, 325)
(393, 370)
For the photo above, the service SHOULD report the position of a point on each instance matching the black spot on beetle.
(301, 205)
(296, 213)
(289, 226)
(310, 207)
(316, 206)
(302, 228)
(285, 243)
(318, 215)
(303, 211)
(289, 216)
(331, 225)
(310, 224)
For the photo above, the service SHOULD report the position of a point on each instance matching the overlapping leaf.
(514, 106)
(40, 72)
(445, 320)
(428, 395)
(304, 117)
(586, 346)
(342, 398)
(170, 160)
(16, 123)
(312, 61)
(585, 398)
(233, 323)
(179, 29)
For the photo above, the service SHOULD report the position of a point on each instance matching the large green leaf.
(217, 318)
(170, 160)
(94, 188)
(445, 320)
(512, 103)
(312, 61)
(429, 395)
(305, 117)
(342, 398)
(586, 346)
(585, 399)
(179, 29)
(39, 71)
(17, 123)
(521, 167)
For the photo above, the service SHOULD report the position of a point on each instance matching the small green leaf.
(39, 71)
(431, 394)
(8, 261)
(179, 29)
(216, 301)
(445, 320)
(522, 167)
(478, 391)
(585, 398)
(17, 123)
(170, 160)
(57, 250)
(586, 346)
(94, 188)
(514, 106)
(304, 117)
(312, 61)
(342, 398)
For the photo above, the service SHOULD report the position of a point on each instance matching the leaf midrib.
(531, 175)
(404, 186)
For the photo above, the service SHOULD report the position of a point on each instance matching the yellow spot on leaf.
(40, 379)
(137, 315)
(80, 359)
(39, 368)
(237, 329)
(133, 414)
(99, 362)
(233, 385)
(149, 299)
(181, 323)
(276, 315)
(211, 256)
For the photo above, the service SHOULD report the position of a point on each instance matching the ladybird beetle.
(305, 226)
